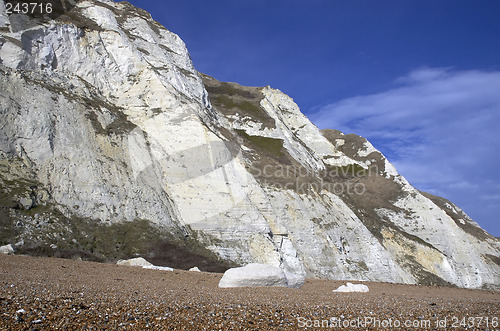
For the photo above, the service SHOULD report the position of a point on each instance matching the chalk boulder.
(257, 275)
(7, 250)
(350, 287)
(135, 262)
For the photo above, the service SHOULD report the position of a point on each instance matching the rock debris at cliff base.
(48, 293)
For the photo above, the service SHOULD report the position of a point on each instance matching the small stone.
(26, 203)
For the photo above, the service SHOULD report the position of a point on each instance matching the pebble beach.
(52, 294)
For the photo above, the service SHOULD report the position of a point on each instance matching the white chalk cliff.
(104, 118)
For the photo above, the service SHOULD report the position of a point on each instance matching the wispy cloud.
(440, 128)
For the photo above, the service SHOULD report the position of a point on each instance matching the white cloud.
(440, 128)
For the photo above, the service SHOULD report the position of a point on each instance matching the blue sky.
(419, 78)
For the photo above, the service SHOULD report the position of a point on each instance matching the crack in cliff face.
(122, 148)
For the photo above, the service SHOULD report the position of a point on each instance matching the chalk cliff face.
(105, 124)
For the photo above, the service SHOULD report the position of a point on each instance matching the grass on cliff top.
(232, 98)
(246, 106)
(270, 146)
(229, 89)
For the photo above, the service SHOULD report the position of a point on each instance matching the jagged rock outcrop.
(105, 124)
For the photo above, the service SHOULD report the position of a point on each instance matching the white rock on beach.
(155, 267)
(195, 269)
(142, 262)
(135, 262)
(7, 249)
(350, 287)
(257, 275)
